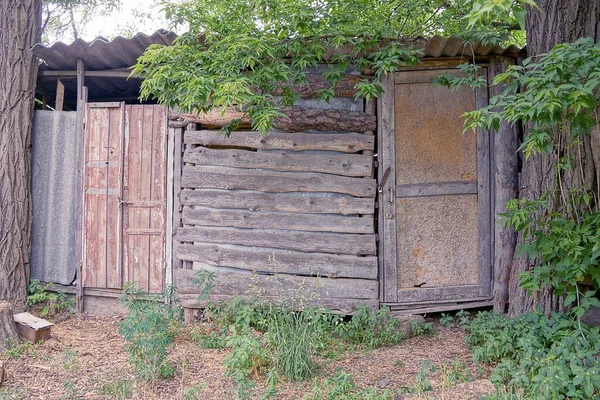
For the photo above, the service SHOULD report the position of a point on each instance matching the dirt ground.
(86, 353)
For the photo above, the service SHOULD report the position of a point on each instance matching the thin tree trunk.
(20, 22)
(556, 21)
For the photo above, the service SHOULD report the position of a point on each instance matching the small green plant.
(419, 328)
(16, 350)
(372, 328)
(10, 393)
(52, 303)
(70, 361)
(117, 389)
(463, 318)
(341, 386)
(446, 319)
(455, 373)
(149, 329)
(193, 392)
(72, 392)
(204, 281)
(536, 356)
(422, 383)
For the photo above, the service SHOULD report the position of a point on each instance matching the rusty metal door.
(124, 196)
(436, 201)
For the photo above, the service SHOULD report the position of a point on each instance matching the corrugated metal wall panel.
(56, 193)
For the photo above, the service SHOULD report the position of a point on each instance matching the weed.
(464, 318)
(70, 361)
(421, 383)
(192, 393)
(537, 356)
(71, 391)
(341, 386)
(117, 389)
(456, 373)
(16, 350)
(419, 328)
(149, 329)
(53, 303)
(13, 394)
(446, 319)
(372, 328)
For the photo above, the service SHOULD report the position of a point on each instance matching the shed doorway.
(124, 196)
(435, 218)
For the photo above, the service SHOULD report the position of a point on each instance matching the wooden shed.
(346, 203)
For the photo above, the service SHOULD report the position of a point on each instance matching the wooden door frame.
(388, 276)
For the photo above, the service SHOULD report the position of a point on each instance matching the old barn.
(347, 203)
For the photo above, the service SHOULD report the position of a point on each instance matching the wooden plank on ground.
(254, 201)
(203, 177)
(288, 286)
(343, 306)
(317, 264)
(308, 242)
(276, 220)
(337, 164)
(350, 142)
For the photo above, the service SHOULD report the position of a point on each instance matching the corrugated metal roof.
(101, 53)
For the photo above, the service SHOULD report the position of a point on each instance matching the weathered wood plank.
(460, 293)
(203, 177)
(276, 220)
(436, 189)
(297, 119)
(484, 201)
(337, 164)
(254, 201)
(295, 288)
(177, 171)
(342, 306)
(308, 242)
(351, 142)
(315, 264)
(387, 221)
(505, 144)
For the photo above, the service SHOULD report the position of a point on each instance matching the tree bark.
(556, 21)
(8, 327)
(297, 119)
(19, 30)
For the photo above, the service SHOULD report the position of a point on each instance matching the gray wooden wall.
(289, 215)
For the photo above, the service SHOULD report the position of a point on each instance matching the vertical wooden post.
(80, 130)
(506, 184)
(177, 170)
(60, 96)
(170, 206)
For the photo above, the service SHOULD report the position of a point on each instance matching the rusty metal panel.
(437, 241)
(56, 158)
(144, 189)
(430, 146)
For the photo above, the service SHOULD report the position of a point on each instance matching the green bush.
(541, 357)
(372, 328)
(149, 329)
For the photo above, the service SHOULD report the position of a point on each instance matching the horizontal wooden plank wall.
(288, 215)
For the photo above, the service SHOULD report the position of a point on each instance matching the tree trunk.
(297, 119)
(19, 31)
(8, 327)
(556, 21)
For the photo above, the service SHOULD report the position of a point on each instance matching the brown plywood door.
(124, 196)
(439, 242)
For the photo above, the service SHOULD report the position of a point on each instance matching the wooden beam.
(285, 262)
(108, 73)
(80, 130)
(296, 119)
(307, 242)
(202, 177)
(60, 96)
(345, 142)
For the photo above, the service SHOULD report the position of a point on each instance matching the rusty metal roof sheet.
(101, 53)
(453, 46)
